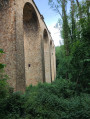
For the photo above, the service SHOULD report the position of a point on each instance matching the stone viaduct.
(28, 45)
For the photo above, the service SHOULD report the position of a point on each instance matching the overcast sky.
(50, 18)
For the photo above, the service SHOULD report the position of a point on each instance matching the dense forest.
(68, 97)
(73, 58)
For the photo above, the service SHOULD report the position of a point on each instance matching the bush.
(12, 106)
(59, 100)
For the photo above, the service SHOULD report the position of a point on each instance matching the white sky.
(50, 18)
(55, 33)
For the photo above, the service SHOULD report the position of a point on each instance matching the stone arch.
(47, 56)
(30, 19)
(31, 45)
(22, 37)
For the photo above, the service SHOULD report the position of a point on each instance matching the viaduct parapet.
(27, 43)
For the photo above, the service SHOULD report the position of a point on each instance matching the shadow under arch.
(47, 57)
(31, 47)
(30, 19)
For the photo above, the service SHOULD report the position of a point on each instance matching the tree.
(60, 7)
(73, 24)
(79, 9)
(76, 35)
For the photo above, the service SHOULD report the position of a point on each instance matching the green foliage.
(3, 83)
(3, 88)
(76, 66)
(62, 63)
(12, 106)
(80, 52)
(59, 100)
(1, 51)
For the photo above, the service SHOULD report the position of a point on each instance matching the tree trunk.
(73, 22)
(88, 5)
(65, 28)
(79, 8)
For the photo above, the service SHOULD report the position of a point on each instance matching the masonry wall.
(47, 57)
(32, 46)
(53, 67)
(27, 51)
(54, 62)
(8, 40)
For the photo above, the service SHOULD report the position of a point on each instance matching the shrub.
(59, 100)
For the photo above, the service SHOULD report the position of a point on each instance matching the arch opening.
(30, 19)
(31, 34)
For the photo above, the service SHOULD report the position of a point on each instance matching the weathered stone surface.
(26, 41)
